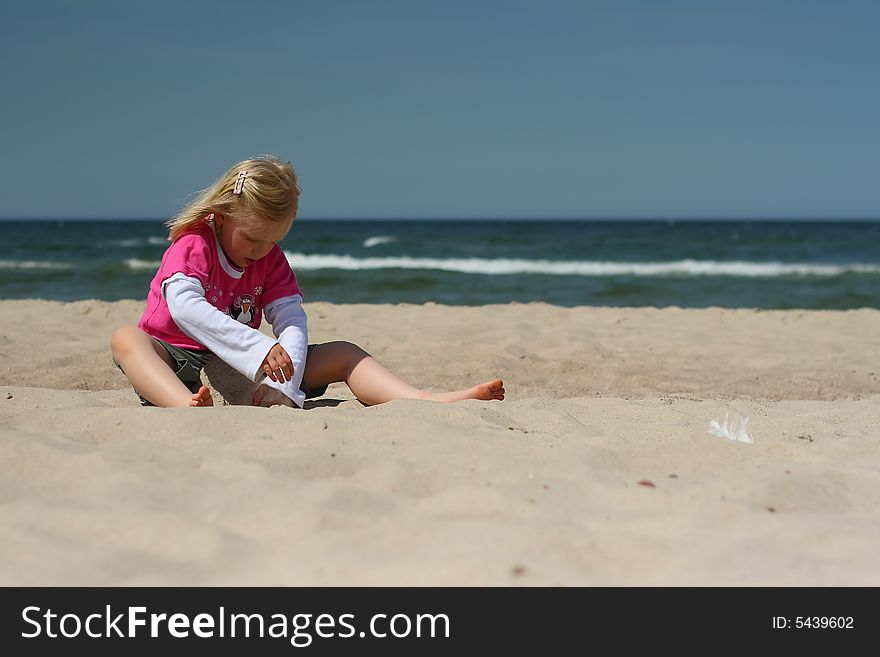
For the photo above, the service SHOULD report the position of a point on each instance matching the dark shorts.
(190, 363)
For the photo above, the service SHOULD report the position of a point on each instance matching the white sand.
(541, 488)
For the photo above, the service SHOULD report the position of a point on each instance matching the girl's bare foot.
(489, 391)
(202, 398)
(268, 396)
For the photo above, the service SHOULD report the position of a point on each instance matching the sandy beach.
(598, 468)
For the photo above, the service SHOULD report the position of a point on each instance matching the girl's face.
(246, 238)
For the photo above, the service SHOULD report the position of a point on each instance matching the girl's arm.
(290, 325)
(241, 347)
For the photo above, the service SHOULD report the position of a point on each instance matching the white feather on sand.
(736, 430)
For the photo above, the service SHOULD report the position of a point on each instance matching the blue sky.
(446, 109)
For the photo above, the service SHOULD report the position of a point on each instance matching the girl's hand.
(277, 365)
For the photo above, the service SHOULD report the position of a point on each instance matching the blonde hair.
(269, 190)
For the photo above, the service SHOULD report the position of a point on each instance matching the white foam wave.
(378, 239)
(135, 263)
(33, 264)
(579, 268)
(140, 241)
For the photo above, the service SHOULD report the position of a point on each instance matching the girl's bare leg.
(148, 366)
(373, 384)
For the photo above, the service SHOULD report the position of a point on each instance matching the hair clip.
(239, 182)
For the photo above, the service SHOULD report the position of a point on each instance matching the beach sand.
(598, 468)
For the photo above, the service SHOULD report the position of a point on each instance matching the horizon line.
(492, 218)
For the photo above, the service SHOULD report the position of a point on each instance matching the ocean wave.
(34, 264)
(378, 239)
(139, 241)
(135, 263)
(500, 266)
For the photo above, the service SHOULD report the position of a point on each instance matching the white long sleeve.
(241, 347)
(290, 325)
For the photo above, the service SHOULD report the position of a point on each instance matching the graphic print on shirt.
(242, 309)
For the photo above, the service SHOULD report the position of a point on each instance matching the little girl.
(223, 271)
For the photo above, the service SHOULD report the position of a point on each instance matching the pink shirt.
(240, 294)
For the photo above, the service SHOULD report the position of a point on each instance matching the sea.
(694, 264)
